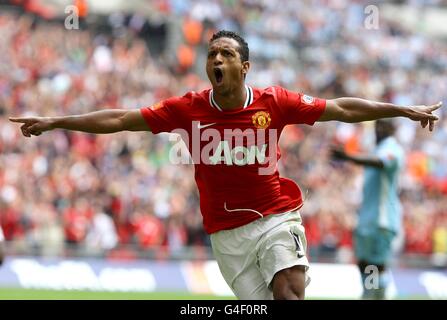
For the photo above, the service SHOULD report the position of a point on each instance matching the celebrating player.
(380, 215)
(231, 132)
(2, 246)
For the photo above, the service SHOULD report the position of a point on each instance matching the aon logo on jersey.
(238, 155)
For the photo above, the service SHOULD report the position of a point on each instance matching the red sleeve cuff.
(146, 112)
(320, 105)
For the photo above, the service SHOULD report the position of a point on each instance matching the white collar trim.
(248, 99)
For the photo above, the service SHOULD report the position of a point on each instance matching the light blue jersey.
(381, 208)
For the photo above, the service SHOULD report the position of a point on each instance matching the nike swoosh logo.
(205, 125)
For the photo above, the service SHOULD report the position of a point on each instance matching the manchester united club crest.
(261, 119)
(156, 106)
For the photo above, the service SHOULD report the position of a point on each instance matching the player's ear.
(245, 68)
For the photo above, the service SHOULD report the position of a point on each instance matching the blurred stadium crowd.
(109, 193)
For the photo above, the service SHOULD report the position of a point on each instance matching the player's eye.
(211, 54)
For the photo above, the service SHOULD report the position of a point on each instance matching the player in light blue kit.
(380, 214)
(2, 249)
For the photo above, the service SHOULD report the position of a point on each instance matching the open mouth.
(218, 74)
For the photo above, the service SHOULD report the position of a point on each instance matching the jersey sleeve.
(391, 157)
(389, 160)
(167, 115)
(298, 108)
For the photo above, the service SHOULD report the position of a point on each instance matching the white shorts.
(249, 256)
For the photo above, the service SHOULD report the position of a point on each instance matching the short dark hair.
(243, 50)
(388, 124)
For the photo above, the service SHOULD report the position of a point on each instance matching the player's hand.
(338, 154)
(424, 115)
(33, 125)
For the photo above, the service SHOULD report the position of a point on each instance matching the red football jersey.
(235, 152)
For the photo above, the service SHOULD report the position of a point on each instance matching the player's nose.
(218, 60)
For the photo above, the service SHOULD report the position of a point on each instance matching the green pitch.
(33, 294)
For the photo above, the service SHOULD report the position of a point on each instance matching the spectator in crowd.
(102, 234)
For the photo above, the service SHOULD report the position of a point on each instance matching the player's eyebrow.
(224, 47)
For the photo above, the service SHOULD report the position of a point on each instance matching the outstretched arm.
(369, 161)
(104, 121)
(357, 110)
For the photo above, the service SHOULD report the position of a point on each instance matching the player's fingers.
(21, 120)
(25, 131)
(424, 123)
(425, 116)
(432, 125)
(34, 128)
(35, 132)
(435, 106)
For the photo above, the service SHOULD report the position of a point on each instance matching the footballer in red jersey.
(231, 132)
(233, 191)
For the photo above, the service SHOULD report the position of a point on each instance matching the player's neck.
(380, 139)
(232, 99)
